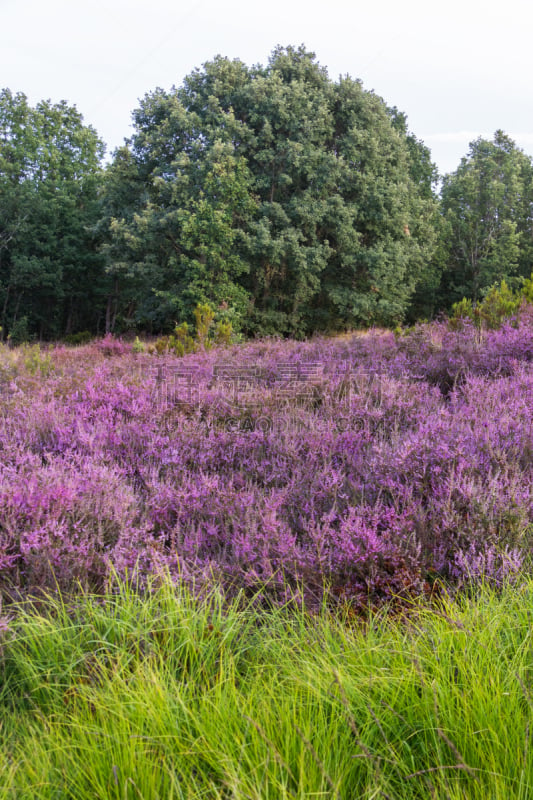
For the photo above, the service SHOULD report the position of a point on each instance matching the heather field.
(277, 570)
(371, 465)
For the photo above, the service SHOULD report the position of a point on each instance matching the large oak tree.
(298, 202)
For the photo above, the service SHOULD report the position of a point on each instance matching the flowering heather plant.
(110, 346)
(372, 465)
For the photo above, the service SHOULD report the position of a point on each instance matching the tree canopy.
(296, 202)
(287, 202)
(49, 178)
(487, 211)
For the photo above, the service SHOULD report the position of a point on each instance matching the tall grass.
(168, 696)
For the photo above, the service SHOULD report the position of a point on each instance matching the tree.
(180, 238)
(303, 203)
(487, 219)
(49, 174)
(122, 196)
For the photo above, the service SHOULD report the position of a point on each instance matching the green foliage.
(527, 290)
(487, 220)
(499, 305)
(138, 346)
(161, 345)
(181, 244)
(295, 202)
(181, 342)
(462, 310)
(223, 333)
(204, 316)
(20, 332)
(300, 203)
(50, 272)
(285, 201)
(37, 361)
(82, 337)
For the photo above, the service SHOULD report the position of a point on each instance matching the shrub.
(82, 337)
(161, 345)
(223, 333)
(499, 305)
(204, 316)
(181, 342)
(138, 346)
(35, 360)
(20, 332)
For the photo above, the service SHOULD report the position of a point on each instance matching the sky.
(458, 69)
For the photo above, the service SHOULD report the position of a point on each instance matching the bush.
(20, 332)
(35, 360)
(181, 342)
(204, 316)
(82, 337)
(500, 305)
(138, 346)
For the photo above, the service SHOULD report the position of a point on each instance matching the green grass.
(168, 697)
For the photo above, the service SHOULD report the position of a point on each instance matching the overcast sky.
(459, 69)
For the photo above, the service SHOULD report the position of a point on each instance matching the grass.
(167, 696)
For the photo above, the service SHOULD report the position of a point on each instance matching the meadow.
(314, 558)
